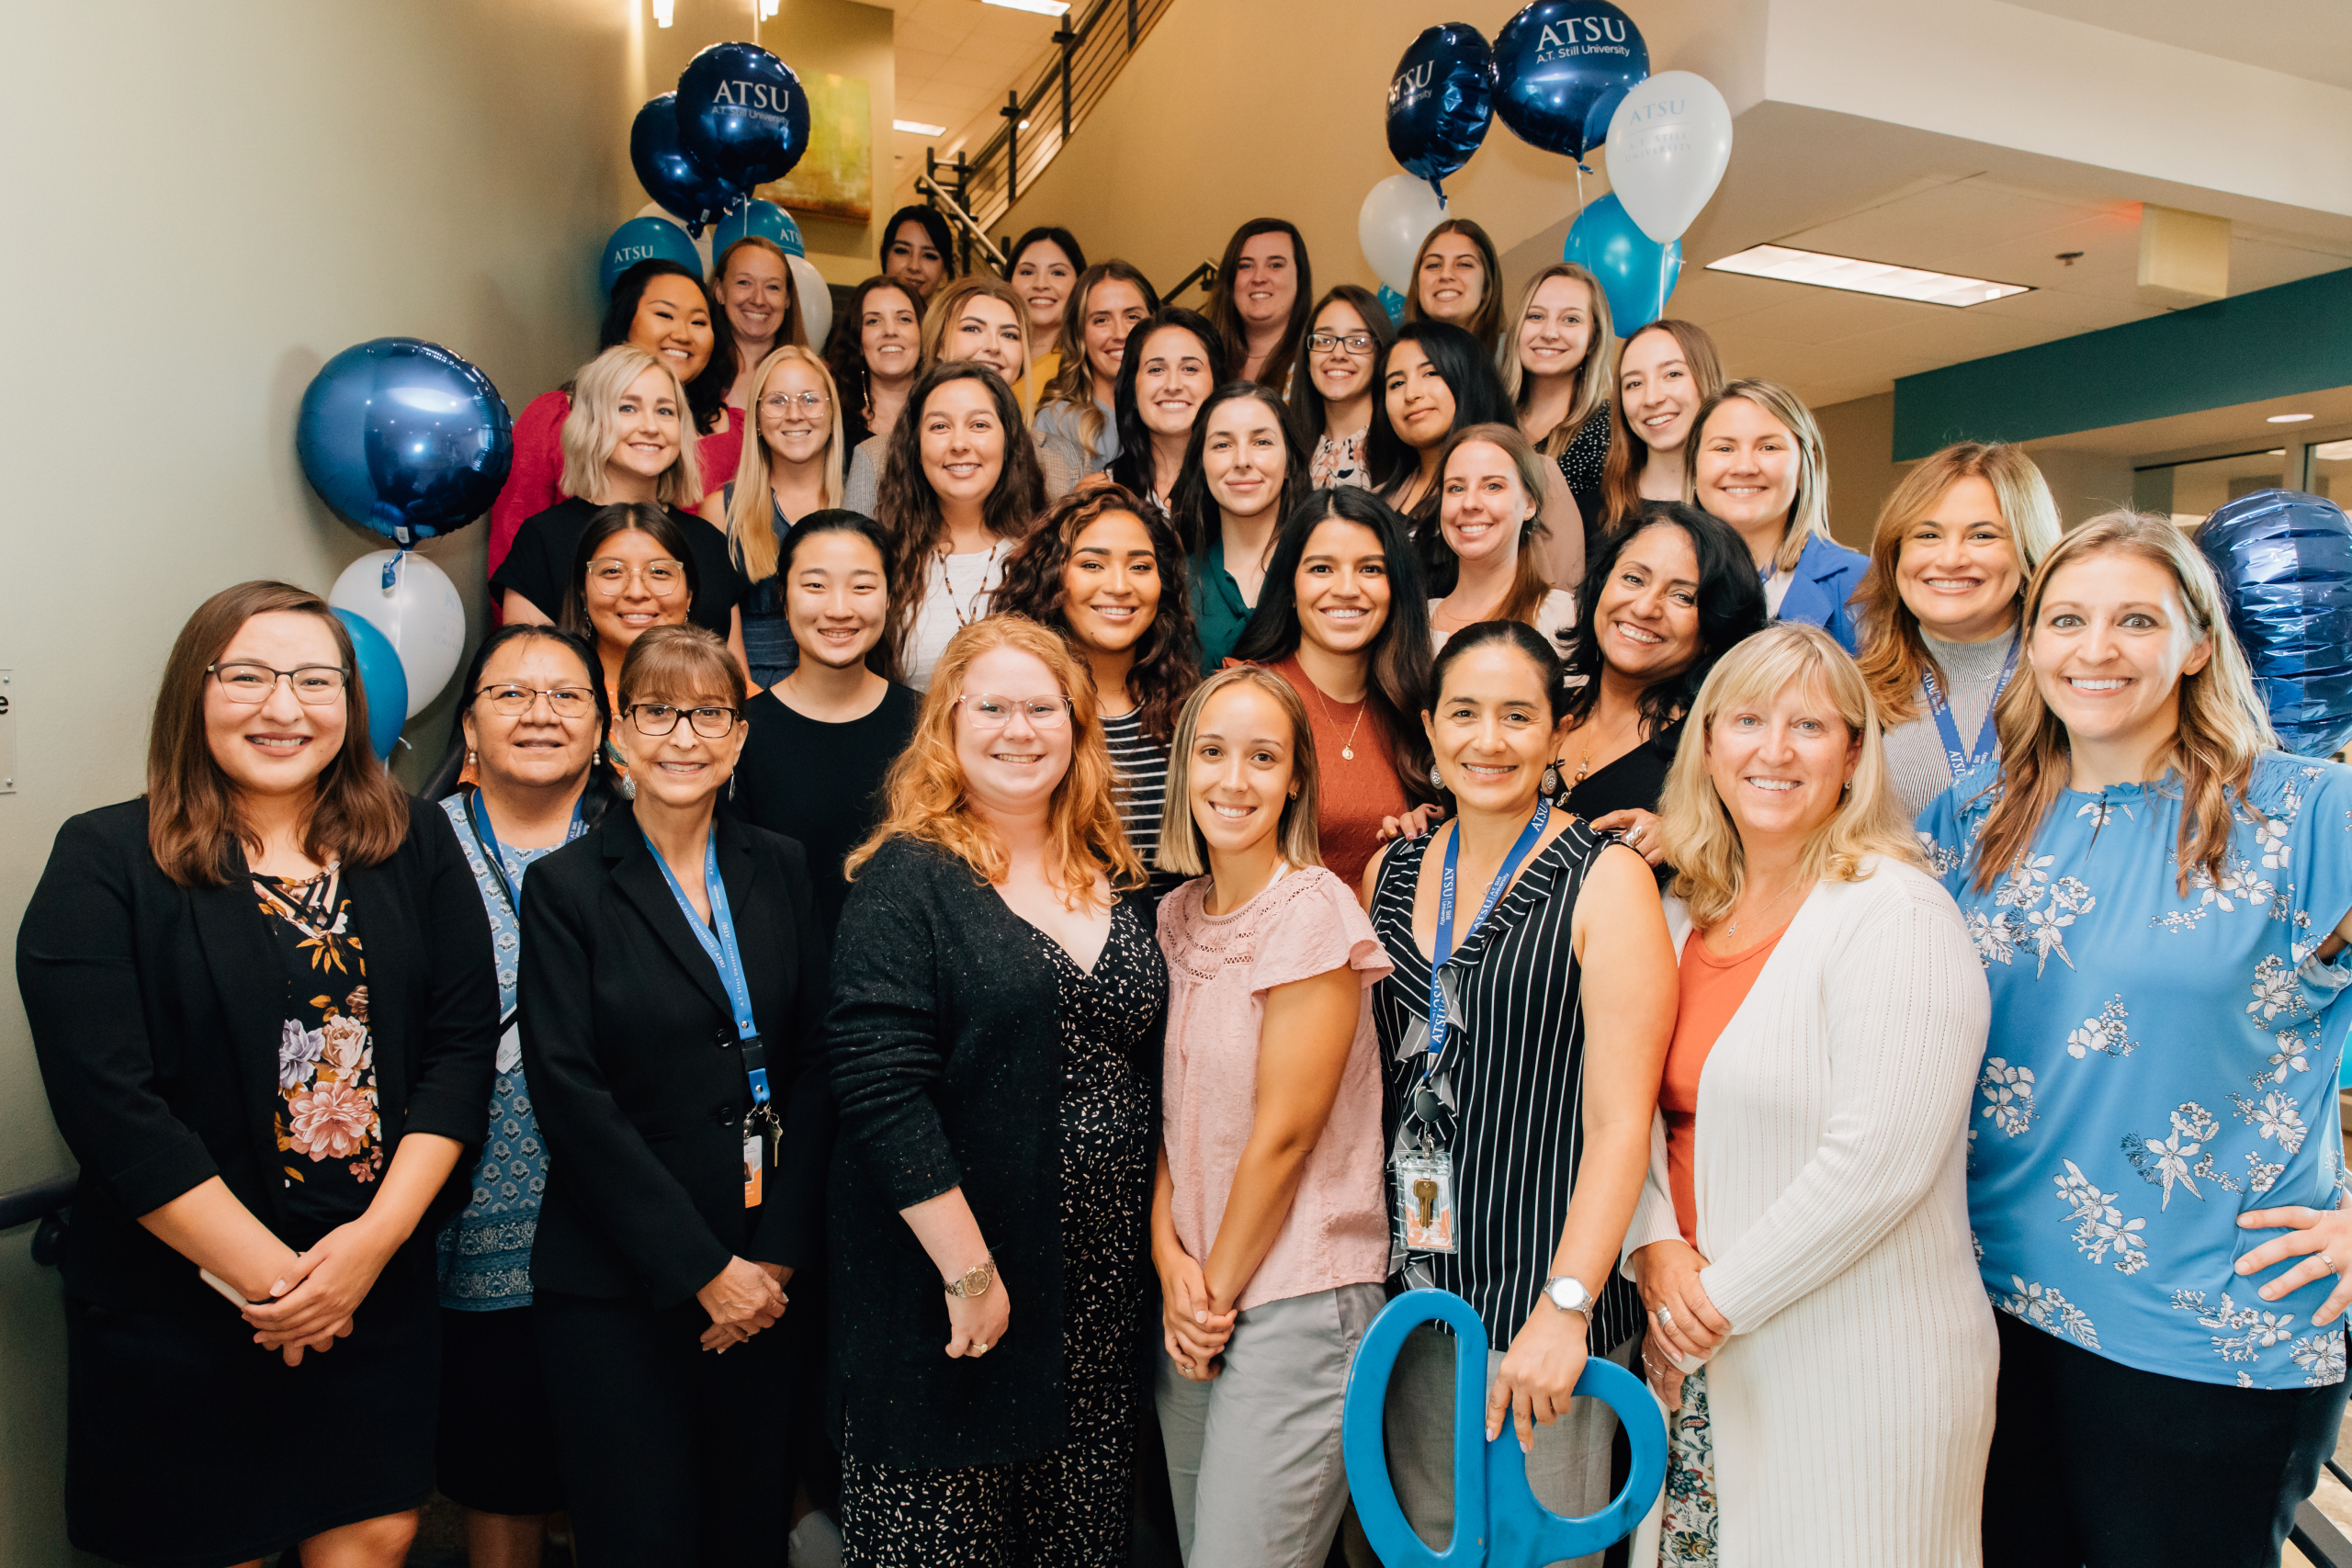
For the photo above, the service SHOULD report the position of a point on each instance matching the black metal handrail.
(1087, 56)
(1205, 274)
(37, 1201)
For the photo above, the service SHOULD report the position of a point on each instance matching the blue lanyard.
(478, 819)
(718, 939)
(1989, 741)
(1444, 946)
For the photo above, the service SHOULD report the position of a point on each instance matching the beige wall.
(1858, 438)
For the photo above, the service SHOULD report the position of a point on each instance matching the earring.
(1437, 780)
(1549, 784)
(628, 788)
(471, 758)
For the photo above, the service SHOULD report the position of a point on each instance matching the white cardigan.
(1853, 1405)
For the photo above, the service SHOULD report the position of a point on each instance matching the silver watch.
(1568, 1293)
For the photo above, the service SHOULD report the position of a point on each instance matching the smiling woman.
(1757, 463)
(1173, 362)
(1242, 475)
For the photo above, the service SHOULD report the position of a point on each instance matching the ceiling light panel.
(1042, 7)
(1855, 277)
(918, 127)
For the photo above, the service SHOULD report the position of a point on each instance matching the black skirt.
(497, 1445)
(189, 1446)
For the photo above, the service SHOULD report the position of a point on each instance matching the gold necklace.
(1347, 747)
(1733, 929)
(1584, 763)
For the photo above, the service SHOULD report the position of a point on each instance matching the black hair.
(1400, 650)
(1731, 607)
(601, 789)
(706, 393)
(934, 223)
(1306, 401)
(1195, 512)
(1228, 319)
(1468, 371)
(1519, 635)
(845, 357)
(620, 518)
(1062, 239)
(1135, 466)
(881, 658)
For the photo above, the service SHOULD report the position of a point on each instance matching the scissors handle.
(1496, 1519)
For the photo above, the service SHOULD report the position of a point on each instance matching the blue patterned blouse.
(483, 1255)
(2160, 1062)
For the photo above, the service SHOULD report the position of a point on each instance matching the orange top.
(1713, 989)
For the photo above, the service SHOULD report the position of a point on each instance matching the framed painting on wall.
(836, 178)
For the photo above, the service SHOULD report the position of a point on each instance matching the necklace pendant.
(1347, 753)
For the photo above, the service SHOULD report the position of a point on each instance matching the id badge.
(1425, 1200)
(754, 1164)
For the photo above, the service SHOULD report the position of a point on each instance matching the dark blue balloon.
(645, 239)
(742, 113)
(1561, 68)
(1636, 272)
(763, 218)
(1440, 101)
(675, 180)
(403, 438)
(381, 679)
(2285, 562)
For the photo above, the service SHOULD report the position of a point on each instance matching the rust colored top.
(1713, 988)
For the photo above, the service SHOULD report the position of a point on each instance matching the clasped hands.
(743, 1299)
(310, 1302)
(1195, 1321)
(1682, 1320)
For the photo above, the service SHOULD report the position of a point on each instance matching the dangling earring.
(1437, 780)
(471, 758)
(1549, 784)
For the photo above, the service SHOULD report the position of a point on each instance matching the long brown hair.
(1529, 588)
(1073, 381)
(926, 797)
(1227, 319)
(1594, 376)
(1486, 323)
(357, 813)
(1893, 653)
(2222, 728)
(1621, 473)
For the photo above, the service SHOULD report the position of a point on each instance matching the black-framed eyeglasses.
(660, 718)
(564, 702)
(1323, 343)
(314, 685)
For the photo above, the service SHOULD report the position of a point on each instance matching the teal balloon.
(1391, 302)
(760, 219)
(1636, 272)
(645, 239)
(377, 668)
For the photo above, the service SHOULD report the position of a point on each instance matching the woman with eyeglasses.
(1458, 279)
(622, 447)
(1264, 284)
(522, 779)
(1043, 267)
(1555, 371)
(1077, 418)
(1174, 362)
(631, 572)
(999, 1007)
(875, 353)
(793, 469)
(1243, 474)
(1346, 338)
(1523, 1031)
(672, 986)
(263, 1003)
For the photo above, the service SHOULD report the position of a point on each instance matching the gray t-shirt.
(1915, 760)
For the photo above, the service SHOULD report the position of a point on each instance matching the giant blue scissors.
(1497, 1523)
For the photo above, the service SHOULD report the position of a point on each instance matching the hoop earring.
(1437, 780)
(1549, 784)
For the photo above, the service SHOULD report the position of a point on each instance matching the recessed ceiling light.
(2287, 419)
(1024, 125)
(918, 127)
(1042, 7)
(1864, 276)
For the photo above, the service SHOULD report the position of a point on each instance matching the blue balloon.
(403, 438)
(645, 239)
(764, 220)
(742, 113)
(1441, 102)
(1561, 68)
(1391, 302)
(382, 680)
(1635, 271)
(2285, 562)
(675, 180)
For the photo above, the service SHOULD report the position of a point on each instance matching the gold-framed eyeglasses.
(660, 718)
(314, 685)
(1323, 343)
(813, 404)
(988, 711)
(564, 702)
(661, 577)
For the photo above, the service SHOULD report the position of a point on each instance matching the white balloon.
(1668, 144)
(815, 300)
(420, 612)
(701, 241)
(1397, 215)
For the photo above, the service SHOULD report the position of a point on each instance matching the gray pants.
(1253, 1454)
(1569, 1469)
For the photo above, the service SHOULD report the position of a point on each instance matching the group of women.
(1262, 810)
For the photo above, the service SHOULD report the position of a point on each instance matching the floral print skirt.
(1687, 1531)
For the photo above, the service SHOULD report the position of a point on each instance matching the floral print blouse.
(329, 1136)
(2160, 1061)
(1341, 463)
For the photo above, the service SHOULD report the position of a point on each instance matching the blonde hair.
(1702, 841)
(2223, 726)
(591, 429)
(1180, 848)
(1529, 587)
(1594, 377)
(947, 305)
(927, 801)
(1809, 508)
(750, 515)
(1893, 653)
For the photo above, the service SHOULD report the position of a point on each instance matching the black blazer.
(155, 1016)
(946, 1046)
(628, 1042)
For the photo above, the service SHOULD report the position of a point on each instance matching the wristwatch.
(974, 1281)
(1568, 1293)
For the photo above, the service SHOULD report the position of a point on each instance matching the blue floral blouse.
(2159, 1064)
(483, 1255)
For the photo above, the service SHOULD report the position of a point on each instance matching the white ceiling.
(956, 60)
(2311, 38)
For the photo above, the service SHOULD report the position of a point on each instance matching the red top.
(1713, 988)
(1356, 791)
(535, 480)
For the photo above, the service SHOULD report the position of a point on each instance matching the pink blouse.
(535, 480)
(1219, 969)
